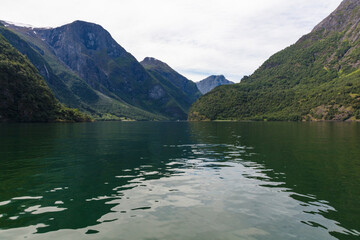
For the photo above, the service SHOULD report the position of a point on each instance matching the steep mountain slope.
(211, 82)
(87, 53)
(90, 51)
(318, 78)
(59, 88)
(66, 84)
(24, 95)
(160, 69)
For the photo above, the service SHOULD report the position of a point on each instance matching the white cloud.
(195, 37)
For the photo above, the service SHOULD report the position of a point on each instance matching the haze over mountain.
(87, 69)
(211, 82)
(315, 79)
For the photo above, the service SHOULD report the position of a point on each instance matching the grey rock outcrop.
(212, 82)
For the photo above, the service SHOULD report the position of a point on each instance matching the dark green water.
(147, 180)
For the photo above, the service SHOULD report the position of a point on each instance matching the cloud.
(195, 37)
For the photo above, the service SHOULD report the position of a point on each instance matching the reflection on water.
(180, 181)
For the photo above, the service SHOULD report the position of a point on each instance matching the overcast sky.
(197, 38)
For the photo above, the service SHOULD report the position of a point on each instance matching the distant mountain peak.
(217, 77)
(212, 82)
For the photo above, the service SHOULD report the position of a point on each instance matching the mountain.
(67, 86)
(57, 85)
(24, 95)
(102, 77)
(211, 82)
(161, 70)
(317, 78)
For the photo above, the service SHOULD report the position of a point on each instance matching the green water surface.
(178, 180)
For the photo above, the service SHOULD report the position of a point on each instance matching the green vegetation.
(318, 78)
(24, 95)
(185, 88)
(105, 81)
(56, 83)
(68, 87)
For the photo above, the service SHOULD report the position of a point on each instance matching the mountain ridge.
(73, 91)
(315, 79)
(85, 54)
(162, 70)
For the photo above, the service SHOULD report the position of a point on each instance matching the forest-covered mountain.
(317, 78)
(24, 95)
(87, 69)
(211, 82)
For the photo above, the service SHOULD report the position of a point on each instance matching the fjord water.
(178, 180)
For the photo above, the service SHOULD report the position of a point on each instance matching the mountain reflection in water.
(167, 180)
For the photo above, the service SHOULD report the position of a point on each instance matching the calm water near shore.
(179, 180)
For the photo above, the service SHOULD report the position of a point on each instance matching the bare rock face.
(87, 49)
(345, 17)
(212, 82)
(344, 22)
(156, 92)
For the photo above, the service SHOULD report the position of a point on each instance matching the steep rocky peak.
(346, 16)
(89, 33)
(92, 36)
(209, 83)
(217, 78)
(87, 29)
